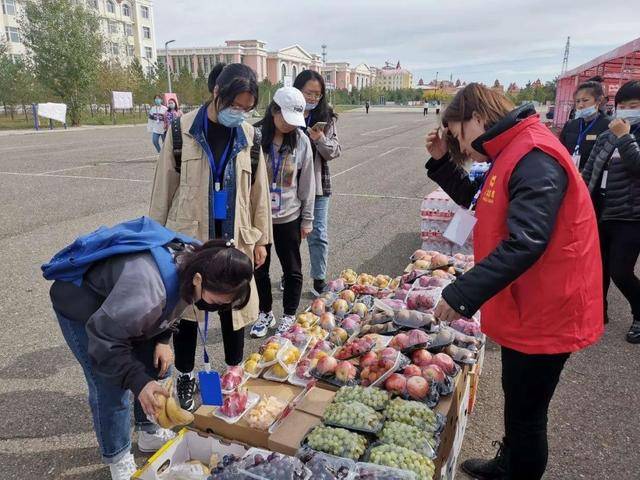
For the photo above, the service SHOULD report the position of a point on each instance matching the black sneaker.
(186, 387)
(633, 335)
(319, 287)
(494, 469)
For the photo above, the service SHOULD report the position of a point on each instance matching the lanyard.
(203, 336)
(476, 197)
(583, 131)
(275, 166)
(217, 168)
(307, 120)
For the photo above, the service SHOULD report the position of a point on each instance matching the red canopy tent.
(615, 67)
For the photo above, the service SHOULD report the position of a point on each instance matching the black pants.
(286, 240)
(425, 111)
(620, 247)
(528, 382)
(185, 341)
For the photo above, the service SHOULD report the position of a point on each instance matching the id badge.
(276, 200)
(460, 227)
(220, 205)
(576, 159)
(210, 387)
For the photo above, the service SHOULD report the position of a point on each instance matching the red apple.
(422, 358)
(417, 387)
(445, 362)
(318, 307)
(348, 295)
(389, 352)
(434, 373)
(327, 321)
(412, 371)
(368, 359)
(345, 372)
(327, 365)
(417, 337)
(396, 383)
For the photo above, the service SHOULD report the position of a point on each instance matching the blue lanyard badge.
(209, 380)
(583, 133)
(276, 193)
(476, 197)
(220, 196)
(308, 120)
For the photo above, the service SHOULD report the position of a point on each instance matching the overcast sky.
(511, 40)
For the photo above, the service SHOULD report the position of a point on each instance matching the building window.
(9, 7)
(126, 10)
(146, 32)
(130, 50)
(93, 4)
(113, 27)
(111, 7)
(145, 12)
(115, 48)
(283, 71)
(294, 72)
(12, 34)
(148, 52)
(128, 30)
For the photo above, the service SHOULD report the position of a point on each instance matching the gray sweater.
(296, 180)
(121, 302)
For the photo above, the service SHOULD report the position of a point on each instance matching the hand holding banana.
(158, 402)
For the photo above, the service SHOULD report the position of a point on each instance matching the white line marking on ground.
(365, 162)
(99, 165)
(380, 130)
(385, 197)
(74, 176)
(391, 151)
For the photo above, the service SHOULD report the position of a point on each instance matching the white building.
(126, 25)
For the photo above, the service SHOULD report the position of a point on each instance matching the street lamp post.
(166, 52)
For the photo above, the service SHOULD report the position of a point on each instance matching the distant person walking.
(173, 112)
(438, 105)
(156, 123)
(366, 106)
(425, 109)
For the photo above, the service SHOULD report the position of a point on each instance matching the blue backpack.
(72, 262)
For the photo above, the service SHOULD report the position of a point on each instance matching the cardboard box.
(241, 431)
(449, 463)
(187, 445)
(289, 435)
(475, 373)
(315, 401)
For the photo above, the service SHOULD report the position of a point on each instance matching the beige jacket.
(181, 202)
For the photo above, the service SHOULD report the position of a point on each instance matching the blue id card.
(220, 205)
(276, 200)
(210, 388)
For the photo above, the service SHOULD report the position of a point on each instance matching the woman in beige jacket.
(214, 191)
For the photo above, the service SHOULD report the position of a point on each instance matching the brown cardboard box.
(240, 431)
(315, 401)
(289, 435)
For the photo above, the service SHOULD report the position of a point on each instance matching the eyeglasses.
(315, 96)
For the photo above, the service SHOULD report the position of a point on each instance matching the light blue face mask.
(586, 112)
(310, 106)
(231, 117)
(630, 115)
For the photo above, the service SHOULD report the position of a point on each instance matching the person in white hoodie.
(292, 187)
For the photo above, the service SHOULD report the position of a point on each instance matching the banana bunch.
(171, 415)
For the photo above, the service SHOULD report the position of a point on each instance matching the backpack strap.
(255, 153)
(176, 136)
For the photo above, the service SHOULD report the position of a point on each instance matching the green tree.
(65, 46)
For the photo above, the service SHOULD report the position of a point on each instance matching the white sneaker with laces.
(151, 442)
(124, 468)
(285, 323)
(263, 324)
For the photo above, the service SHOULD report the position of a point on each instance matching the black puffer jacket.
(536, 190)
(571, 131)
(621, 198)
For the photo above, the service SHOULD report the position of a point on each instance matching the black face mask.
(208, 307)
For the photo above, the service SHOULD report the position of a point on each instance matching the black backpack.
(176, 135)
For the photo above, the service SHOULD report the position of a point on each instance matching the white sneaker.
(151, 442)
(285, 323)
(263, 324)
(124, 468)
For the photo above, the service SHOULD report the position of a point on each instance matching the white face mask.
(586, 112)
(630, 115)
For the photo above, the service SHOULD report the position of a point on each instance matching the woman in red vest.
(537, 278)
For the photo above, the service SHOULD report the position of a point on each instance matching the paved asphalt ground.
(54, 186)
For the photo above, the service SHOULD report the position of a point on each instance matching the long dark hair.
(268, 129)
(213, 76)
(224, 269)
(233, 80)
(323, 112)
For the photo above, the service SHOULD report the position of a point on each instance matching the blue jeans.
(318, 240)
(155, 138)
(110, 405)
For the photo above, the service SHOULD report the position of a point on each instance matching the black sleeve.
(453, 179)
(536, 189)
(165, 337)
(587, 171)
(563, 136)
(630, 153)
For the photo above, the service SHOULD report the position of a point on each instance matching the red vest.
(556, 305)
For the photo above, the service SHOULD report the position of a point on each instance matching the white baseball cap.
(292, 103)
